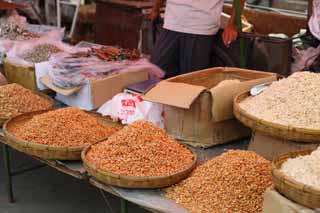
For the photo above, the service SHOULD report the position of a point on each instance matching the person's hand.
(229, 35)
(155, 13)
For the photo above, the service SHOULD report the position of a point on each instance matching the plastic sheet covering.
(52, 33)
(71, 70)
(314, 22)
(19, 50)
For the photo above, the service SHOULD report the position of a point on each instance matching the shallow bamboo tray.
(135, 182)
(270, 128)
(41, 150)
(4, 119)
(303, 194)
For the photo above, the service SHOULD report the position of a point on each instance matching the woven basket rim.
(134, 178)
(287, 128)
(52, 103)
(289, 181)
(39, 146)
(12, 63)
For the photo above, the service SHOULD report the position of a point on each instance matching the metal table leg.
(124, 206)
(6, 160)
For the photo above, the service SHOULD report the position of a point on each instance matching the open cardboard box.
(96, 92)
(198, 111)
(274, 202)
(270, 147)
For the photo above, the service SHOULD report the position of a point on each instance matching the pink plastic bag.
(314, 22)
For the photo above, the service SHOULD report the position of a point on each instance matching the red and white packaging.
(129, 108)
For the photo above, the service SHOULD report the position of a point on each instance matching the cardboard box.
(270, 147)
(200, 113)
(96, 92)
(274, 202)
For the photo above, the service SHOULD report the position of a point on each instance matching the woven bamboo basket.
(4, 119)
(23, 75)
(41, 150)
(270, 128)
(132, 182)
(303, 194)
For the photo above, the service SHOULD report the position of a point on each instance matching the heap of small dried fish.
(141, 149)
(14, 32)
(65, 127)
(40, 53)
(116, 54)
(232, 182)
(16, 100)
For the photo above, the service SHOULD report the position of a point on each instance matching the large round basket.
(135, 182)
(303, 194)
(41, 150)
(3, 119)
(270, 128)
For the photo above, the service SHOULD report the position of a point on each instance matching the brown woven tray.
(4, 119)
(303, 194)
(135, 182)
(270, 128)
(42, 150)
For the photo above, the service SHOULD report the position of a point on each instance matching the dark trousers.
(178, 53)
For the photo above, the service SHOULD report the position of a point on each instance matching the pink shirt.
(201, 17)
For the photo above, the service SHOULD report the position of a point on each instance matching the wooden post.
(310, 8)
(239, 28)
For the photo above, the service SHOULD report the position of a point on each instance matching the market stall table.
(152, 200)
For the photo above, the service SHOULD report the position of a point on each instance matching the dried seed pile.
(232, 182)
(141, 149)
(40, 53)
(16, 100)
(293, 101)
(66, 127)
(304, 169)
(14, 32)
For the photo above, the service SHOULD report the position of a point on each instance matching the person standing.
(186, 43)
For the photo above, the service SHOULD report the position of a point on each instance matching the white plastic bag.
(129, 108)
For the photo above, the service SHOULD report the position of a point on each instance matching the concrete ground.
(46, 190)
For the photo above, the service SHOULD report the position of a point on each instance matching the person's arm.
(156, 9)
(230, 33)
